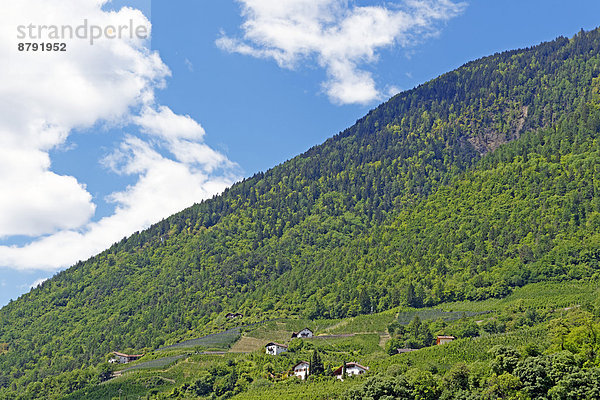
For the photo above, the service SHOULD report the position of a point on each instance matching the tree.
(533, 373)
(395, 328)
(316, 366)
(411, 298)
(392, 346)
(457, 378)
(365, 302)
(505, 359)
(504, 386)
(104, 372)
(202, 386)
(467, 329)
(379, 387)
(417, 334)
(583, 384)
(295, 345)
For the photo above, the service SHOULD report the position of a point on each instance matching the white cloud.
(38, 283)
(189, 65)
(168, 125)
(164, 187)
(391, 91)
(181, 136)
(45, 96)
(340, 35)
(38, 201)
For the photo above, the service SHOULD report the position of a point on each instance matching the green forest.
(469, 188)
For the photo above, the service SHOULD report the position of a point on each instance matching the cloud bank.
(340, 36)
(45, 96)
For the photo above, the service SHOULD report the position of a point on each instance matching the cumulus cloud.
(168, 125)
(339, 35)
(45, 96)
(165, 186)
(181, 136)
(36, 200)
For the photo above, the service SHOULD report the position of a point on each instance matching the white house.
(301, 370)
(352, 368)
(126, 358)
(304, 333)
(275, 349)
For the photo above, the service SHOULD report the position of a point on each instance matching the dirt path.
(338, 325)
(341, 335)
(383, 338)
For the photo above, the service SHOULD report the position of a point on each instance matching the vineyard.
(525, 321)
(157, 363)
(404, 317)
(222, 340)
(553, 295)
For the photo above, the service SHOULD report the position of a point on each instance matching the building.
(444, 339)
(402, 351)
(352, 368)
(126, 358)
(233, 315)
(301, 370)
(304, 333)
(275, 349)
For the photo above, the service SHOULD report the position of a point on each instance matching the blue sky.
(223, 90)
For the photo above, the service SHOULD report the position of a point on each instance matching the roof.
(406, 350)
(301, 362)
(446, 337)
(276, 344)
(127, 355)
(348, 365)
(303, 329)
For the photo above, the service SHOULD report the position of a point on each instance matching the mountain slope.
(423, 200)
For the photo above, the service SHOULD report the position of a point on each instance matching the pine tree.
(365, 302)
(316, 366)
(410, 295)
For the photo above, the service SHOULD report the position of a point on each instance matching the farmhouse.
(233, 315)
(275, 349)
(304, 333)
(301, 370)
(126, 358)
(352, 368)
(444, 339)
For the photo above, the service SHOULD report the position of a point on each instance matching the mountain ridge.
(345, 228)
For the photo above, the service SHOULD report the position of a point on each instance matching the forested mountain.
(472, 184)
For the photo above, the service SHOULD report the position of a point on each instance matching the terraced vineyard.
(222, 340)
(362, 339)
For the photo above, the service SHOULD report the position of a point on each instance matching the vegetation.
(222, 340)
(479, 366)
(452, 195)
